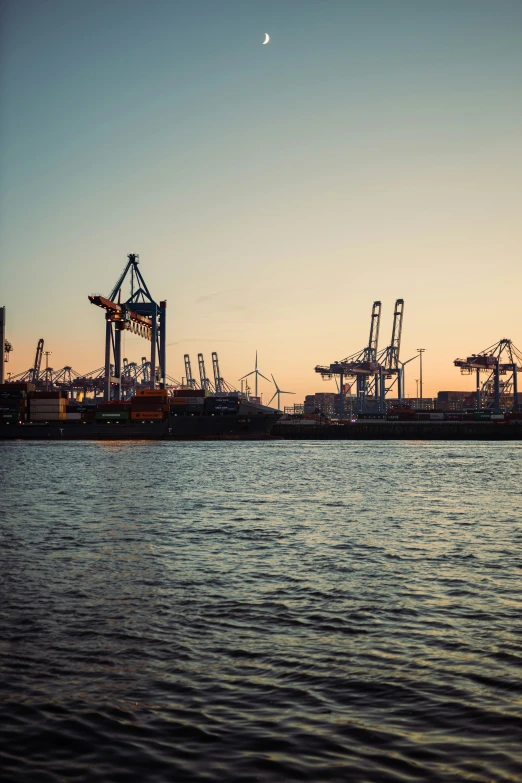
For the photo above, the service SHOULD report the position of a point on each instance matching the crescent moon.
(267, 38)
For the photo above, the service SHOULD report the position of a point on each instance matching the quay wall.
(403, 430)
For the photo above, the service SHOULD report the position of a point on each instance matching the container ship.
(152, 414)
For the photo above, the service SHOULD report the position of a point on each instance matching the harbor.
(128, 401)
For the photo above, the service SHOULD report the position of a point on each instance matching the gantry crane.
(139, 314)
(371, 368)
(205, 383)
(501, 359)
(220, 384)
(218, 381)
(188, 372)
(389, 357)
(34, 374)
(38, 360)
(362, 365)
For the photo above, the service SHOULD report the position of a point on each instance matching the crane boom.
(395, 345)
(188, 371)
(217, 376)
(374, 332)
(202, 372)
(38, 359)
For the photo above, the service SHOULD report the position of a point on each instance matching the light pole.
(420, 351)
(417, 382)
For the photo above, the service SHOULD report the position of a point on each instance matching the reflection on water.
(270, 612)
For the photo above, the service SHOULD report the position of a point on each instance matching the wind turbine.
(279, 392)
(256, 372)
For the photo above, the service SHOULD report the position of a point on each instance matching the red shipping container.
(189, 393)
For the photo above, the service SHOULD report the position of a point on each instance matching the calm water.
(261, 612)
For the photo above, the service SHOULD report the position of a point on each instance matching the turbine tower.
(279, 392)
(255, 372)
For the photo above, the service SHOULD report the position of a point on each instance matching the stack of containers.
(115, 410)
(150, 405)
(187, 401)
(47, 406)
(222, 405)
(13, 401)
(76, 410)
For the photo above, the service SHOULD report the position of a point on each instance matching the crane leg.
(496, 378)
(162, 340)
(117, 363)
(153, 339)
(107, 377)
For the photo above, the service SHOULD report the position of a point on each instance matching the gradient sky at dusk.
(370, 151)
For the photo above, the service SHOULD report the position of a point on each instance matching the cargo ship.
(152, 414)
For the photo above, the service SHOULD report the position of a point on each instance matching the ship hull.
(174, 428)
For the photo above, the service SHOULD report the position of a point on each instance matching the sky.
(370, 151)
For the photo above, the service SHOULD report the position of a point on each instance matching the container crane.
(139, 314)
(38, 360)
(205, 383)
(362, 365)
(501, 359)
(188, 372)
(218, 381)
(389, 357)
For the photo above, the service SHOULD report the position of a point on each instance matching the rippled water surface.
(261, 611)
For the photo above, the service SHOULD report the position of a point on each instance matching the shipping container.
(192, 400)
(116, 408)
(56, 403)
(152, 392)
(183, 400)
(15, 394)
(47, 416)
(49, 395)
(73, 416)
(226, 405)
(112, 415)
(27, 387)
(146, 415)
(191, 392)
(50, 405)
(152, 398)
(13, 405)
(156, 408)
(11, 416)
(482, 415)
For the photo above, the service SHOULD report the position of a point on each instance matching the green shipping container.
(11, 416)
(111, 415)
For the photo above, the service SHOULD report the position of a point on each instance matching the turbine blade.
(271, 398)
(246, 376)
(262, 376)
(282, 392)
